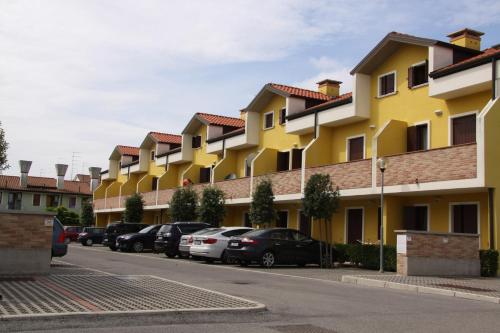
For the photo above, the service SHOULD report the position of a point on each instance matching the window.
(205, 175)
(196, 141)
(296, 158)
(52, 200)
(356, 148)
(283, 161)
(417, 138)
(387, 84)
(14, 200)
(154, 183)
(152, 155)
(463, 129)
(135, 158)
(464, 218)
(269, 120)
(72, 202)
(416, 218)
(282, 220)
(36, 199)
(282, 116)
(418, 75)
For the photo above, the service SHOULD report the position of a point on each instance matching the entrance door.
(354, 225)
(296, 158)
(283, 161)
(282, 221)
(465, 218)
(305, 225)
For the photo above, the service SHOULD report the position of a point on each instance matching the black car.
(116, 229)
(169, 236)
(270, 247)
(139, 241)
(91, 235)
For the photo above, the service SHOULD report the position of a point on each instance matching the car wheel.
(170, 254)
(225, 258)
(113, 248)
(268, 259)
(138, 247)
(88, 242)
(243, 263)
(209, 260)
(83, 243)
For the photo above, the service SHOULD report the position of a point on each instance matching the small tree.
(262, 210)
(65, 216)
(320, 202)
(87, 214)
(183, 205)
(134, 209)
(3, 150)
(212, 209)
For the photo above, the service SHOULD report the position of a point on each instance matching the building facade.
(430, 107)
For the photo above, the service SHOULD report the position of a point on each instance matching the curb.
(418, 289)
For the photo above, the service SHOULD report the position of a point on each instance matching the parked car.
(116, 229)
(59, 245)
(72, 232)
(139, 241)
(270, 247)
(91, 235)
(187, 240)
(169, 236)
(211, 245)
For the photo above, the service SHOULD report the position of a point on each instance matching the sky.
(78, 77)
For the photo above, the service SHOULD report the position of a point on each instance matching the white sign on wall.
(401, 244)
(49, 222)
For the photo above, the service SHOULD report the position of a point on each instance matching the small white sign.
(401, 244)
(49, 222)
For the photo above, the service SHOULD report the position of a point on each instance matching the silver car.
(212, 244)
(187, 240)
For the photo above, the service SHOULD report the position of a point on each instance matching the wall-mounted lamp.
(438, 113)
(372, 126)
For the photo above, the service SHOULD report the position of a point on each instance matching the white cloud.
(328, 68)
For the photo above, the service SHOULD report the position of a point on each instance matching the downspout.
(491, 210)
(315, 124)
(493, 78)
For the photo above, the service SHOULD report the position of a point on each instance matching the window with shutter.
(356, 147)
(36, 199)
(387, 84)
(72, 202)
(283, 161)
(204, 175)
(296, 158)
(196, 141)
(415, 218)
(418, 75)
(154, 184)
(269, 120)
(465, 218)
(464, 130)
(416, 138)
(152, 155)
(282, 116)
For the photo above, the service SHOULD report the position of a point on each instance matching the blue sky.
(83, 76)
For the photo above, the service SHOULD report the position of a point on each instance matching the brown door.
(282, 221)
(305, 225)
(204, 175)
(296, 158)
(354, 225)
(464, 129)
(465, 219)
(356, 148)
(283, 161)
(415, 218)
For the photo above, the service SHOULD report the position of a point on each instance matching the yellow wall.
(320, 152)
(100, 191)
(225, 166)
(130, 186)
(170, 178)
(392, 139)
(265, 162)
(145, 184)
(200, 155)
(113, 190)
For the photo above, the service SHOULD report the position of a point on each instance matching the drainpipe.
(315, 124)
(491, 209)
(493, 78)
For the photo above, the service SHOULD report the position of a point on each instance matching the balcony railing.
(164, 196)
(99, 204)
(348, 175)
(149, 198)
(235, 188)
(284, 182)
(449, 163)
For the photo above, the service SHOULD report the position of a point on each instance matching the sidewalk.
(479, 289)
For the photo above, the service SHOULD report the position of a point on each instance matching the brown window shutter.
(296, 158)
(356, 147)
(283, 161)
(426, 70)
(390, 83)
(410, 77)
(409, 216)
(411, 138)
(204, 175)
(464, 130)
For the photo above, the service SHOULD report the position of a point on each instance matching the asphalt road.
(294, 304)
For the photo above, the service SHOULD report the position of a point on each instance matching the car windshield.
(165, 229)
(147, 229)
(203, 231)
(255, 233)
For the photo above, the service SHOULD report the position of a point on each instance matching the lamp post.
(382, 165)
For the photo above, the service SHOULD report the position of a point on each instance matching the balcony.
(99, 204)
(164, 196)
(441, 164)
(149, 198)
(461, 83)
(112, 203)
(348, 175)
(284, 182)
(235, 188)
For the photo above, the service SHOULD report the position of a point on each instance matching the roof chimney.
(95, 174)
(329, 87)
(61, 172)
(467, 38)
(25, 169)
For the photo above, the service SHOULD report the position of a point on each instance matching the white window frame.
(264, 121)
(450, 124)
(450, 215)
(423, 84)
(347, 148)
(379, 95)
(428, 123)
(362, 222)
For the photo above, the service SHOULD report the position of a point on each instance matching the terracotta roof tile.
(82, 178)
(490, 52)
(166, 138)
(299, 92)
(44, 184)
(214, 119)
(127, 150)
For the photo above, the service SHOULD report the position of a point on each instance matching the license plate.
(197, 242)
(233, 244)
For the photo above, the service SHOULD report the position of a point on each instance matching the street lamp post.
(382, 165)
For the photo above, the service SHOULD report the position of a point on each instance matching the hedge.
(368, 256)
(489, 262)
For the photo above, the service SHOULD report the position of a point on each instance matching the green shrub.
(355, 253)
(339, 254)
(489, 262)
(367, 256)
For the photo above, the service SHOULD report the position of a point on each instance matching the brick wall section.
(434, 245)
(284, 182)
(199, 188)
(450, 163)
(149, 198)
(24, 231)
(98, 204)
(123, 200)
(235, 188)
(112, 202)
(349, 175)
(164, 196)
